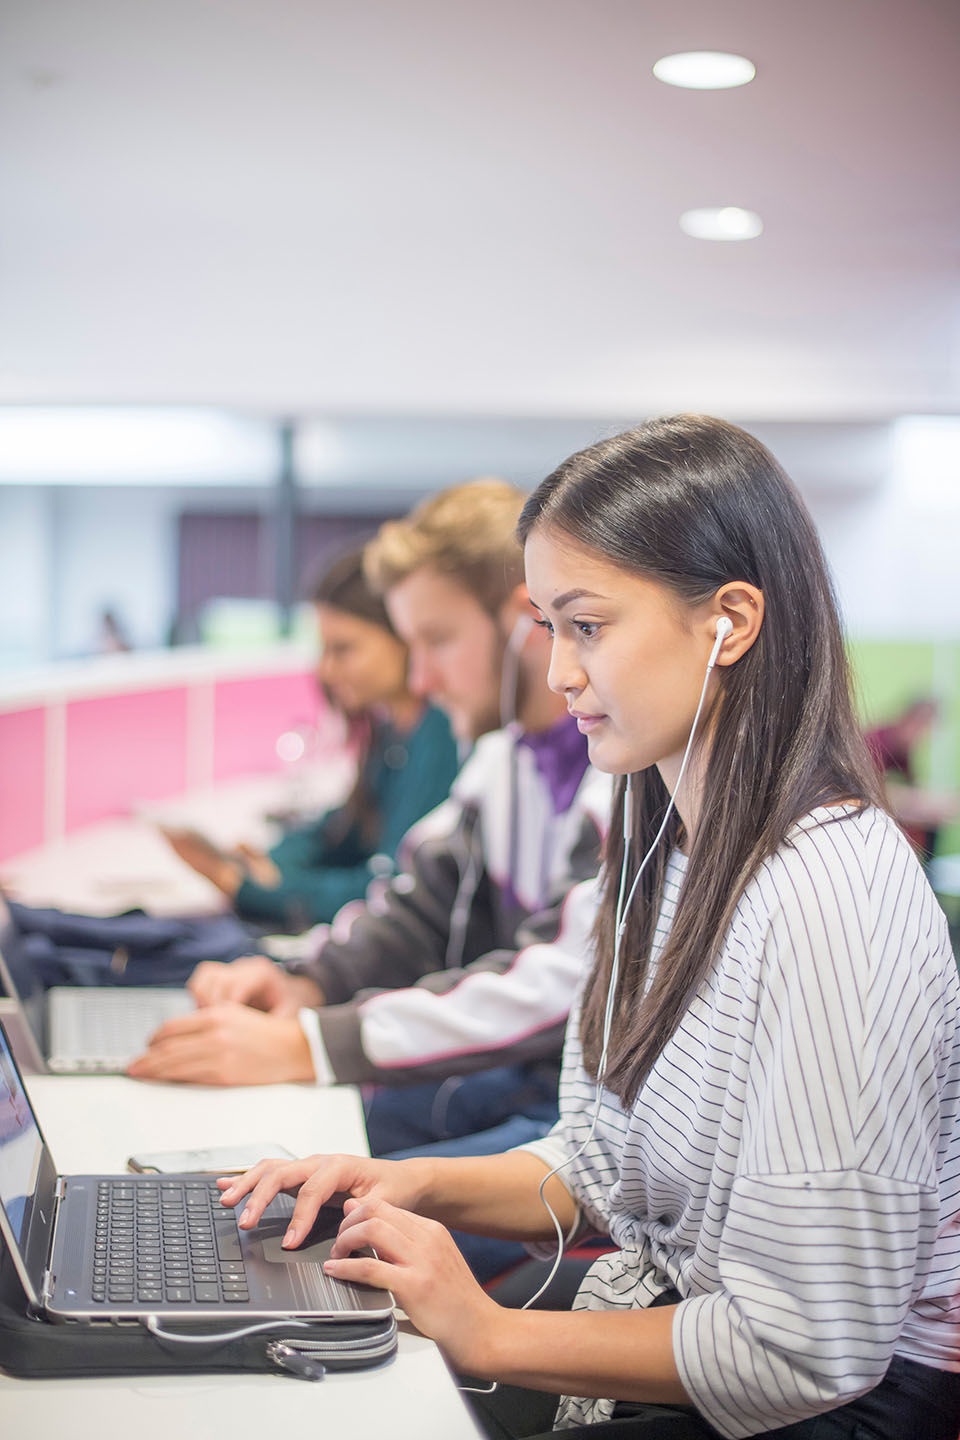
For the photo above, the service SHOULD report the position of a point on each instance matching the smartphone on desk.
(215, 1160)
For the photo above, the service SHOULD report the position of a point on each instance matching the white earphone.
(724, 628)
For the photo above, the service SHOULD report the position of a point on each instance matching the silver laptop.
(93, 1029)
(125, 1247)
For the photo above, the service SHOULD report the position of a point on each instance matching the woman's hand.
(206, 858)
(259, 866)
(419, 1261)
(318, 1177)
(416, 1258)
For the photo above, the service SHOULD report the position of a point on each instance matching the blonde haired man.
(450, 995)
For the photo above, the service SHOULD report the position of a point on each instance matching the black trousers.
(912, 1402)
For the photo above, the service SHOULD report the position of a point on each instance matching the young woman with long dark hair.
(406, 762)
(760, 1103)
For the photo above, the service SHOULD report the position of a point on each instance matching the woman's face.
(360, 663)
(629, 656)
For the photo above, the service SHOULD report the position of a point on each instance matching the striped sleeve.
(819, 1272)
(833, 1213)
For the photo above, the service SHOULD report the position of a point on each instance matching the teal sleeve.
(304, 897)
(318, 877)
(323, 842)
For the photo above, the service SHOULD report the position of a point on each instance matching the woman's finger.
(314, 1192)
(274, 1176)
(363, 1270)
(357, 1212)
(380, 1234)
(234, 1187)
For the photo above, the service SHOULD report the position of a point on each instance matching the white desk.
(94, 1122)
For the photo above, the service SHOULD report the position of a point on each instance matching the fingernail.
(289, 1239)
(243, 1217)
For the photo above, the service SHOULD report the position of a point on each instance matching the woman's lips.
(586, 723)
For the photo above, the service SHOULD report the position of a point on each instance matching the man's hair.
(466, 533)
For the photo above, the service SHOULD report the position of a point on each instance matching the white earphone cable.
(724, 628)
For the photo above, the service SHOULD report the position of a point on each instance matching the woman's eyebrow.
(561, 601)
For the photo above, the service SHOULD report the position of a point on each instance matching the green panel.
(887, 675)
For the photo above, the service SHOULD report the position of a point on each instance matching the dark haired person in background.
(407, 762)
(760, 1097)
(920, 812)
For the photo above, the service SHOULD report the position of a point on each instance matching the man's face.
(456, 649)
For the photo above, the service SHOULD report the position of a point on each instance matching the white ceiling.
(430, 207)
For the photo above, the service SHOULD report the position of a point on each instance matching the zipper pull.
(286, 1358)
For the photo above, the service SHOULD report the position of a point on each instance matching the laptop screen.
(21, 1146)
(28, 1179)
(22, 998)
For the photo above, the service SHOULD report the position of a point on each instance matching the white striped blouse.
(791, 1165)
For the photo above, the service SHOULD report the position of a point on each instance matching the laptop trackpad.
(315, 1248)
(318, 1252)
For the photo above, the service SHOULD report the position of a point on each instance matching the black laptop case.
(33, 1348)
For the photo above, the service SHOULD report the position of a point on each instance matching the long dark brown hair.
(343, 586)
(696, 503)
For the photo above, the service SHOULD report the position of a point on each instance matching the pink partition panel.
(122, 749)
(21, 781)
(250, 715)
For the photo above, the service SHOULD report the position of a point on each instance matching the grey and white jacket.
(456, 969)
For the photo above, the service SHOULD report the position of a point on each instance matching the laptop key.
(206, 1292)
(228, 1242)
(178, 1295)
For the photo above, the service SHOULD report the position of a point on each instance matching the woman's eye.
(586, 628)
(543, 625)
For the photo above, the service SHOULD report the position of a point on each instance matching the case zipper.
(305, 1357)
(284, 1357)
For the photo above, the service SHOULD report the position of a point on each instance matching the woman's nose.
(563, 674)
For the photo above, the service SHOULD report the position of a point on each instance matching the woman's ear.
(742, 604)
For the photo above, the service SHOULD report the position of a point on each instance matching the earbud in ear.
(724, 628)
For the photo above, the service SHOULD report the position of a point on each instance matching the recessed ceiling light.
(705, 70)
(721, 222)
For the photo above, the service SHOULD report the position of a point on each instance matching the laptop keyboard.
(101, 1027)
(166, 1242)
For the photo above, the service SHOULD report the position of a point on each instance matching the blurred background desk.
(123, 863)
(94, 1122)
(202, 738)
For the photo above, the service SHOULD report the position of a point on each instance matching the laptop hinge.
(46, 1284)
